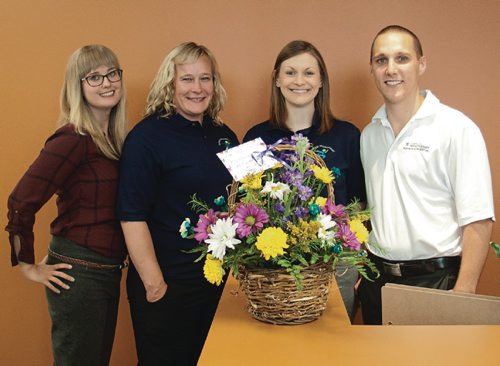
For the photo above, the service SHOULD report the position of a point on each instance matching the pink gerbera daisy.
(250, 219)
(202, 229)
(338, 212)
(347, 237)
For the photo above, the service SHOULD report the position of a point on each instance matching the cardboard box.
(410, 305)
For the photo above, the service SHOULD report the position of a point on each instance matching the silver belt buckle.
(392, 268)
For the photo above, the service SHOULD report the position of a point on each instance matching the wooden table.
(237, 339)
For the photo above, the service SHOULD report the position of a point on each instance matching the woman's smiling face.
(299, 80)
(194, 88)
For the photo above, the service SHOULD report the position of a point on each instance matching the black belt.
(415, 267)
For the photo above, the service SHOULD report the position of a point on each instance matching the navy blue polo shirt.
(343, 138)
(164, 162)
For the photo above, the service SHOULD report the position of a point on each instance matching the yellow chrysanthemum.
(360, 230)
(213, 270)
(253, 181)
(322, 173)
(271, 242)
(320, 201)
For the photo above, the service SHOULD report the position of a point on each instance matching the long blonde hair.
(75, 109)
(161, 94)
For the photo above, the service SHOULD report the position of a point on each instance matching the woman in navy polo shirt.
(300, 103)
(167, 157)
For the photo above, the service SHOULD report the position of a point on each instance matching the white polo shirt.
(426, 183)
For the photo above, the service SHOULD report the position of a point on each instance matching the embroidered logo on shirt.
(416, 146)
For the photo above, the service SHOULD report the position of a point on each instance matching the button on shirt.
(426, 183)
(164, 162)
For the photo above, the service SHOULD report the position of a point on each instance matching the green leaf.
(202, 255)
(302, 260)
(198, 205)
(314, 258)
(196, 250)
(284, 263)
(496, 248)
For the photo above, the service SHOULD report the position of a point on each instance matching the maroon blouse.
(85, 182)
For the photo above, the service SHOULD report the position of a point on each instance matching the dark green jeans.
(84, 317)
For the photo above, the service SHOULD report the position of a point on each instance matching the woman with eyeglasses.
(300, 103)
(79, 163)
(167, 157)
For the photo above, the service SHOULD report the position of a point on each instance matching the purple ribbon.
(258, 157)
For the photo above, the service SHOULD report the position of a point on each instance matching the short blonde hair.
(75, 109)
(161, 94)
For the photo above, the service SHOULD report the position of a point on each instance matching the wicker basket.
(273, 297)
(272, 293)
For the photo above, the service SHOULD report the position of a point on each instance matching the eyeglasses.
(97, 79)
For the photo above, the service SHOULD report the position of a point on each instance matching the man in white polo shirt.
(427, 178)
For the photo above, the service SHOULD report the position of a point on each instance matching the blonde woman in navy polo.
(167, 157)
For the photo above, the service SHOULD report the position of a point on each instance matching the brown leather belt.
(415, 267)
(87, 264)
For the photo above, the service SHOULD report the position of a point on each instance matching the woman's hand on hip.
(47, 274)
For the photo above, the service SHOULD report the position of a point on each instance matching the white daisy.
(276, 190)
(222, 237)
(326, 223)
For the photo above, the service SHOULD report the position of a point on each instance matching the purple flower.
(300, 212)
(292, 177)
(347, 237)
(289, 157)
(338, 212)
(202, 229)
(308, 160)
(298, 138)
(304, 192)
(308, 173)
(292, 140)
(250, 219)
(278, 207)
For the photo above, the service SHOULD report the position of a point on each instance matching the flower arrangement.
(281, 218)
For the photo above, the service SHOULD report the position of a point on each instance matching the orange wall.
(460, 39)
